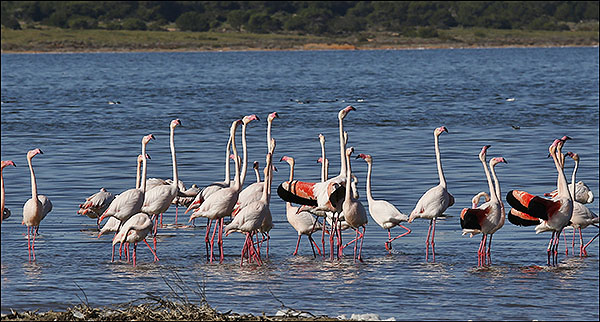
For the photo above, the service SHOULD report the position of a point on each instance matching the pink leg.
(355, 244)
(427, 241)
(489, 251)
(549, 250)
(134, 253)
(33, 245)
(565, 238)
(588, 243)
(221, 239)
(112, 258)
(315, 243)
(212, 239)
(408, 231)
(331, 238)
(362, 238)
(580, 242)
(161, 220)
(297, 245)
(153, 253)
(244, 250)
(323, 237)
(176, 210)
(433, 239)
(206, 240)
(28, 242)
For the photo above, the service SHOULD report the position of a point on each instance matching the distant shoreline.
(304, 48)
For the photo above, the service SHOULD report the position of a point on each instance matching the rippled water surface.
(59, 103)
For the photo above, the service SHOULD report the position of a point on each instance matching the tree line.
(300, 17)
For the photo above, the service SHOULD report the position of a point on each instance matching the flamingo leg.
(550, 246)
(433, 239)
(206, 240)
(33, 244)
(489, 251)
(134, 253)
(112, 259)
(161, 215)
(28, 242)
(221, 240)
(176, 210)
(479, 251)
(362, 239)
(356, 238)
(212, 239)
(427, 241)
(580, 242)
(408, 231)
(315, 243)
(588, 243)
(297, 245)
(331, 238)
(323, 237)
(153, 253)
(244, 250)
(556, 248)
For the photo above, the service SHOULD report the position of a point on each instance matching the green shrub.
(134, 24)
(192, 21)
(427, 32)
(11, 23)
(79, 22)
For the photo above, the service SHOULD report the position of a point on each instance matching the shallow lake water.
(59, 103)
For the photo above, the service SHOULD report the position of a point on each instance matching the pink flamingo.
(36, 208)
(434, 201)
(302, 221)
(354, 212)
(384, 213)
(250, 218)
(582, 215)
(134, 230)
(220, 204)
(487, 218)
(547, 215)
(5, 211)
(130, 202)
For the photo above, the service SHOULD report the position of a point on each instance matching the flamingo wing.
(522, 219)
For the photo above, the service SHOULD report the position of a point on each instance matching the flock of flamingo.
(330, 206)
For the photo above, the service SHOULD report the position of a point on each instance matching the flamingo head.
(349, 151)
(175, 123)
(343, 112)
(497, 160)
(321, 138)
(255, 165)
(272, 116)
(249, 118)
(483, 152)
(147, 138)
(552, 147)
(561, 142)
(287, 159)
(574, 156)
(439, 130)
(34, 152)
(140, 157)
(7, 163)
(320, 160)
(365, 157)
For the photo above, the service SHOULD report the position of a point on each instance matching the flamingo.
(326, 195)
(158, 199)
(487, 218)
(220, 203)
(435, 200)
(250, 218)
(384, 213)
(130, 202)
(354, 212)
(5, 211)
(134, 230)
(547, 215)
(477, 197)
(36, 208)
(302, 221)
(582, 215)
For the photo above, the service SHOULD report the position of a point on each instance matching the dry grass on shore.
(176, 305)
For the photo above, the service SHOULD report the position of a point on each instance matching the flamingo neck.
(227, 171)
(257, 175)
(349, 196)
(498, 193)
(144, 168)
(323, 174)
(572, 180)
(438, 158)
(236, 180)
(34, 193)
(369, 170)
(137, 174)
(342, 148)
(244, 147)
(326, 169)
(291, 171)
(561, 182)
(269, 124)
(265, 192)
(493, 193)
(174, 158)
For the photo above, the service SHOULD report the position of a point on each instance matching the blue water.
(58, 103)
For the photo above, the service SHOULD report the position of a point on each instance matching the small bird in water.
(113, 102)
(512, 99)
(516, 127)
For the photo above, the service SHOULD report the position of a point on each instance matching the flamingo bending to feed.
(220, 203)
(582, 215)
(36, 208)
(487, 218)
(547, 215)
(250, 218)
(5, 211)
(130, 202)
(134, 230)
(435, 201)
(354, 212)
(158, 199)
(302, 221)
(96, 204)
(384, 213)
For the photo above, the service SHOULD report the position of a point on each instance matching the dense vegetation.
(409, 18)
